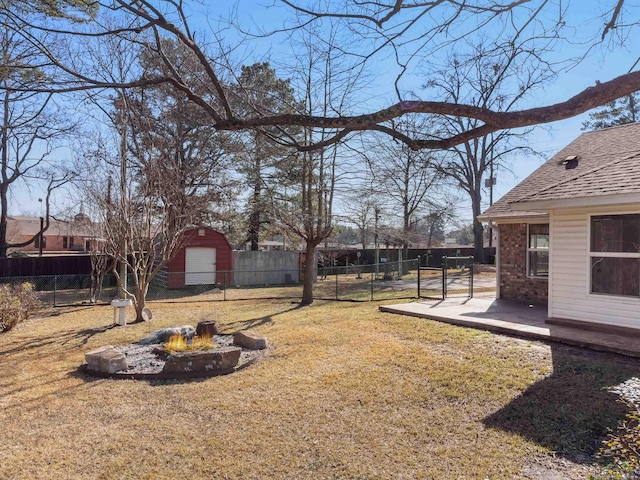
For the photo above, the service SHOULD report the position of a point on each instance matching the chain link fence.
(352, 282)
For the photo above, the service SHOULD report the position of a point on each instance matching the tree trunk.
(3, 221)
(478, 230)
(140, 301)
(254, 219)
(4, 180)
(307, 282)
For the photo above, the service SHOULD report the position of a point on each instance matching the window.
(538, 250)
(44, 242)
(64, 242)
(615, 255)
(70, 242)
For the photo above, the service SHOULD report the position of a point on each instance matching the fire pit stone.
(219, 359)
(161, 336)
(250, 339)
(106, 359)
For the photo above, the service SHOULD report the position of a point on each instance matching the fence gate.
(457, 276)
(431, 283)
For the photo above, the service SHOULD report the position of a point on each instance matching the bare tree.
(31, 127)
(413, 33)
(305, 207)
(405, 180)
(359, 210)
(485, 78)
(168, 165)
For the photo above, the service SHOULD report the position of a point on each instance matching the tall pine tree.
(619, 112)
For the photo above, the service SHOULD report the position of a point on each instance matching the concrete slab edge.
(513, 332)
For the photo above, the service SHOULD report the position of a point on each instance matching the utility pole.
(492, 182)
(41, 235)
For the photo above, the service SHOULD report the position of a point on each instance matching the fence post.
(224, 287)
(471, 259)
(444, 277)
(418, 276)
(55, 288)
(372, 285)
(337, 268)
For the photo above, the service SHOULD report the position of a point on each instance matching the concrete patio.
(518, 319)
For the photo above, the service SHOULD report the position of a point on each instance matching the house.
(203, 259)
(76, 234)
(569, 234)
(268, 245)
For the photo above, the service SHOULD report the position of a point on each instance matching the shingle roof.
(608, 163)
(31, 226)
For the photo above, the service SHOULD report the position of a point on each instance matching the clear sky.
(600, 65)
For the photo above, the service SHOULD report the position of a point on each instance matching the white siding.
(569, 288)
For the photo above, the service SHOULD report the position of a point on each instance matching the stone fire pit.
(149, 358)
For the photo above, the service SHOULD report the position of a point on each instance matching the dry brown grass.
(348, 392)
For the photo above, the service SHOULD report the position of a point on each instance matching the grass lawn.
(347, 392)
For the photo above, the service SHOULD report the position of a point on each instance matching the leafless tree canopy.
(414, 34)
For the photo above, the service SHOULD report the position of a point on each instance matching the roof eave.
(544, 206)
(515, 218)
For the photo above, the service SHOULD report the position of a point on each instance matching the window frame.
(529, 249)
(37, 241)
(591, 254)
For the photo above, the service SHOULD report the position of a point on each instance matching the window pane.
(615, 233)
(539, 236)
(615, 276)
(539, 264)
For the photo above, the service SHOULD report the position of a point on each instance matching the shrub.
(17, 303)
(622, 449)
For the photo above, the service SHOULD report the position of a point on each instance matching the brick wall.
(514, 283)
(55, 243)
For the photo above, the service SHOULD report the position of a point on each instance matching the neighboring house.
(267, 245)
(203, 259)
(73, 235)
(569, 234)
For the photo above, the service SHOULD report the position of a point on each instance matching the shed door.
(200, 266)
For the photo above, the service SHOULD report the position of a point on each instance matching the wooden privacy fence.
(45, 266)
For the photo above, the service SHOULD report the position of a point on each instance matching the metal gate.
(457, 276)
(431, 283)
(454, 278)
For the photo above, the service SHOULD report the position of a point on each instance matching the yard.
(347, 392)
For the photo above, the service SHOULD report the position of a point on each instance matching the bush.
(17, 303)
(622, 449)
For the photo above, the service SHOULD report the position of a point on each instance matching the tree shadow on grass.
(62, 338)
(258, 321)
(570, 411)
